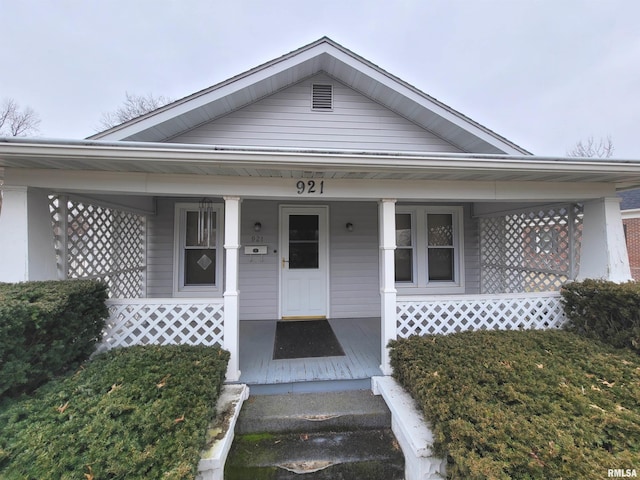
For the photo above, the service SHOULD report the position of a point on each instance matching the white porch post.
(387, 212)
(231, 293)
(26, 236)
(604, 250)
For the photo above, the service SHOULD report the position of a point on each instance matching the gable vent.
(322, 97)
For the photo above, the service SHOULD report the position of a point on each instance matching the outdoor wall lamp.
(349, 227)
(257, 226)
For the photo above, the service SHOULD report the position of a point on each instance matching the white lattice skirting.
(167, 321)
(442, 315)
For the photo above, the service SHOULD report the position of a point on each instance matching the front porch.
(360, 341)
(202, 321)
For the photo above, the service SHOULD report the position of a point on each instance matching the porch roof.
(144, 157)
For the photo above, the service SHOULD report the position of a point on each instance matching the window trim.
(180, 219)
(421, 283)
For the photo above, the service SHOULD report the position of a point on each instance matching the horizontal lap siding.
(285, 119)
(355, 286)
(258, 274)
(160, 250)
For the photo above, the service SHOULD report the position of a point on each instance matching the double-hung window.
(198, 256)
(429, 245)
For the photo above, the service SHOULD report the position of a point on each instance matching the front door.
(304, 264)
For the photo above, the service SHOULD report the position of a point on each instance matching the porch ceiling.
(294, 163)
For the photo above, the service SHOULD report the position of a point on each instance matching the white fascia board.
(210, 95)
(191, 185)
(629, 214)
(60, 154)
(426, 101)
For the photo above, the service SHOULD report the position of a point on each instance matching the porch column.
(387, 213)
(231, 293)
(604, 249)
(27, 249)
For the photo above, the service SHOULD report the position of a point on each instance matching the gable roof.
(326, 56)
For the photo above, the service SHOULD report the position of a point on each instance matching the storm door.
(304, 262)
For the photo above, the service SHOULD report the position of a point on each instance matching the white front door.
(304, 252)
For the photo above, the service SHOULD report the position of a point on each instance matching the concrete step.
(364, 454)
(355, 410)
(324, 435)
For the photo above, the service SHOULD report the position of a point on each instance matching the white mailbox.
(255, 250)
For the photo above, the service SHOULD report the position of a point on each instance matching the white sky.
(542, 73)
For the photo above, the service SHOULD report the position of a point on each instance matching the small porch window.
(198, 256)
(428, 256)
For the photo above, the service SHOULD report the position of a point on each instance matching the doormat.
(309, 338)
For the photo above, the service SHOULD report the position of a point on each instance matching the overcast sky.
(542, 73)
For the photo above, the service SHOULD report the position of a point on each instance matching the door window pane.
(304, 233)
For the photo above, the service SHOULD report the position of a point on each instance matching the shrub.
(605, 311)
(47, 328)
(138, 412)
(524, 404)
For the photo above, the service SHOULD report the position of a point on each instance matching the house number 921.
(310, 187)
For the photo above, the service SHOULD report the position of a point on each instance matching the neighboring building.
(316, 185)
(630, 206)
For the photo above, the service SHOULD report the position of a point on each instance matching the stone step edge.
(411, 430)
(221, 432)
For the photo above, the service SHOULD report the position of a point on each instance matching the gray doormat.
(303, 339)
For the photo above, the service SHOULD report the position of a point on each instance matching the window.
(404, 248)
(198, 256)
(428, 252)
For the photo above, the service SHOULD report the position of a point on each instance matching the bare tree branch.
(15, 122)
(603, 148)
(133, 106)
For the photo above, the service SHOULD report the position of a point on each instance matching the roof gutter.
(12, 149)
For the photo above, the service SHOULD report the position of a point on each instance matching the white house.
(316, 185)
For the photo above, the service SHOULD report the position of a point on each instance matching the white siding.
(258, 282)
(160, 250)
(354, 256)
(285, 119)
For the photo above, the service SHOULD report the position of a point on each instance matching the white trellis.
(168, 321)
(443, 315)
(530, 251)
(94, 241)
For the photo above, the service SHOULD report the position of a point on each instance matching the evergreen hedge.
(47, 328)
(525, 404)
(605, 311)
(134, 413)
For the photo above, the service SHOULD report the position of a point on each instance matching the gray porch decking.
(360, 340)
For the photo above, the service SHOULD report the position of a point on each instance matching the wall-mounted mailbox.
(255, 250)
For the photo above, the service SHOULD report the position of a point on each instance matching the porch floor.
(360, 340)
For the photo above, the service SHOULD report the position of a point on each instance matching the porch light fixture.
(257, 226)
(349, 227)
(205, 221)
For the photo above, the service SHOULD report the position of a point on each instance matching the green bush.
(605, 311)
(138, 412)
(525, 404)
(47, 328)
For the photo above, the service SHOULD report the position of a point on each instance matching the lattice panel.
(164, 323)
(496, 312)
(533, 251)
(101, 243)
